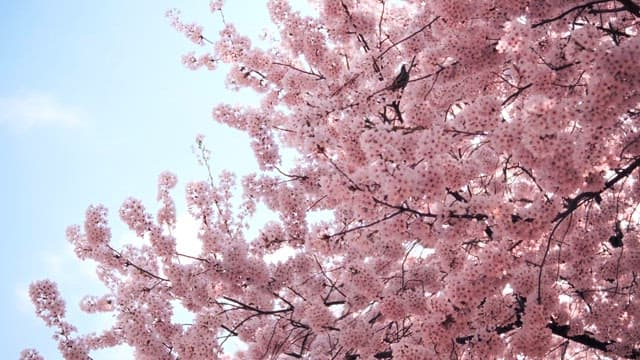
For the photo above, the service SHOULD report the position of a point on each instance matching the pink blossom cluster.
(132, 212)
(199, 199)
(192, 31)
(167, 213)
(30, 354)
(216, 5)
(193, 62)
(50, 307)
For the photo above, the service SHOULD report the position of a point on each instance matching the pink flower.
(216, 5)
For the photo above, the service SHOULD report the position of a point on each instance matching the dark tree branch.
(627, 5)
(563, 331)
(319, 76)
(515, 94)
(408, 37)
(567, 12)
(574, 203)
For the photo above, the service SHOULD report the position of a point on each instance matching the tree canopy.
(479, 159)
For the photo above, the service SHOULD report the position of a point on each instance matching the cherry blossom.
(479, 160)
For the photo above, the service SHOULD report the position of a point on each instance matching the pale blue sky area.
(94, 104)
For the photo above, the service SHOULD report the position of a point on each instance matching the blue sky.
(94, 104)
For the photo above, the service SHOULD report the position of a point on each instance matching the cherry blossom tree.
(479, 159)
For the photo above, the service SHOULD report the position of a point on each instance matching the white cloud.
(35, 109)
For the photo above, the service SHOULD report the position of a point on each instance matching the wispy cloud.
(23, 112)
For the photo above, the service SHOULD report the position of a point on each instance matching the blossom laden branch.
(574, 203)
(312, 73)
(589, 6)
(408, 37)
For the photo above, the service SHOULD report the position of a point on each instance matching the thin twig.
(319, 76)
(408, 37)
